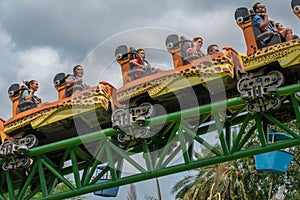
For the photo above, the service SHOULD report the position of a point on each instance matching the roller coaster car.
(258, 54)
(252, 33)
(296, 7)
(189, 84)
(84, 112)
(268, 66)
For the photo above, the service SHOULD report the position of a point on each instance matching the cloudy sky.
(39, 39)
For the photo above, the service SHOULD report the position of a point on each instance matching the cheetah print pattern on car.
(98, 97)
(199, 72)
(286, 54)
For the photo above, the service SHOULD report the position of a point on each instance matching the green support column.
(179, 133)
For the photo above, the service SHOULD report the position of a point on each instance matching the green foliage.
(239, 180)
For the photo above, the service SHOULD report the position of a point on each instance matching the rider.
(75, 80)
(261, 19)
(140, 62)
(212, 49)
(28, 95)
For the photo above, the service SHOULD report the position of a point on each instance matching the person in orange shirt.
(140, 62)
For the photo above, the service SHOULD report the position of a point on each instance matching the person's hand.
(264, 14)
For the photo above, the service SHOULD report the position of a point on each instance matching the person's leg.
(295, 37)
(156, 70)
(287, 33)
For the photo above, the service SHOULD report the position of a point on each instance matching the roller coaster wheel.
(148, 109)
(142, 132)
(118, 116)
(5, 166)
(140, 119)
(31, 141)
(275, 102)
(251, 107)
(23, 163)
(121, 137)
(279, 78)
(243, 84)
(6, 149)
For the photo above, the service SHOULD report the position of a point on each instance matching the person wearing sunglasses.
(196, 47)
(261, 19)
(212, 49)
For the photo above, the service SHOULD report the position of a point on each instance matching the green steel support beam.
(178, 131)
(204, 143)
(85, 173)
(42, 178)
(97, 135)
(261, 134)
(99, 175)
(296, 108)
(91, 171)
(10, 186)
(280, 125)
(173, 169)
(58, 175)
(222, 139)
(240, 133)
(28, 180)
(2, 197)
(183, 145)
(170, 158)
(218, 106)
(169, 143)
(110, 161)
(154, 121)
(75, 168)
(228, 133)
(130, 160)
(245, 139)
(146, 155)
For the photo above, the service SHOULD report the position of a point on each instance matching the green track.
(157, 157)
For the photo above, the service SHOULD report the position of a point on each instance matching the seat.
(177, 46)
(253, 34)
(15, 93)
(74, 89)
(59, 82)
(25, 104)
(260, 35)
(296, 7)
(60, 85)
(123, 55)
